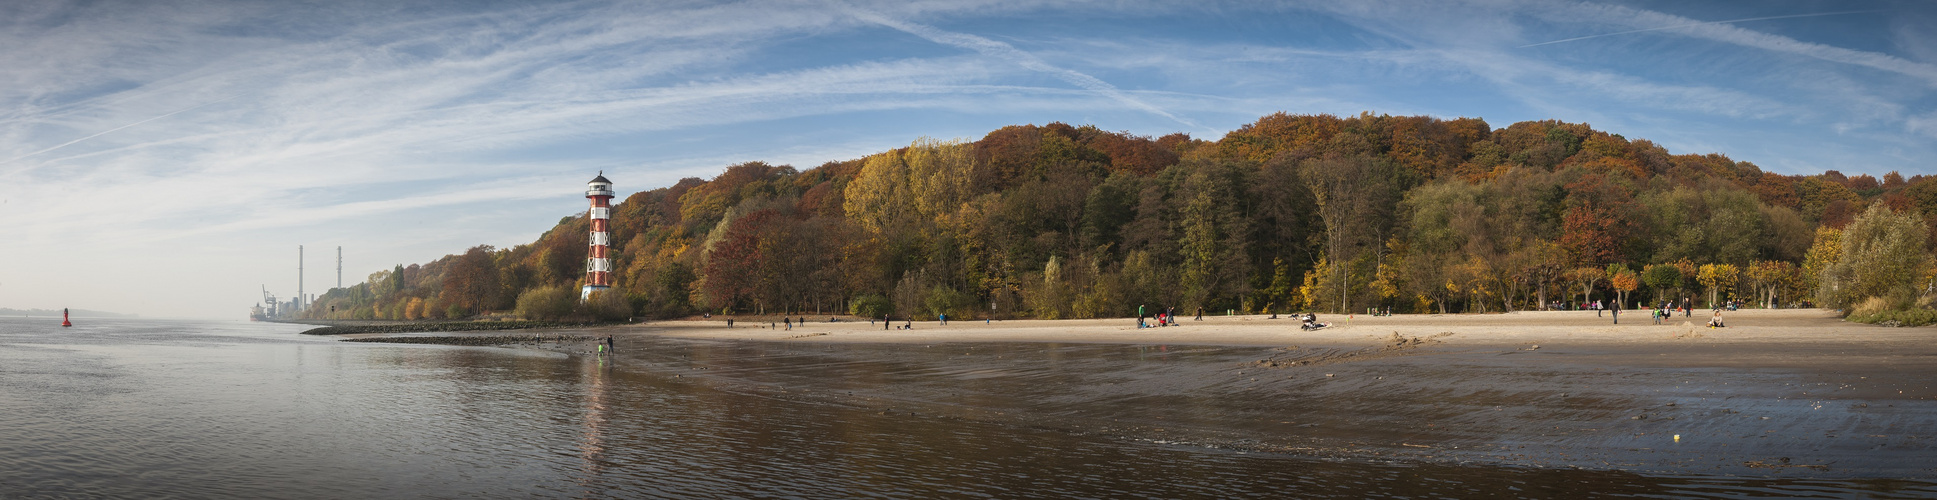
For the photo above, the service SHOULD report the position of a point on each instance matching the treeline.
(1293, 212)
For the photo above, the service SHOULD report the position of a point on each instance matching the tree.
(733, 259)
(1354, 198)
(1540, 265)
(471, 283)
(1318, 212)
(1624, 281)
(1661, 277)
(1768, 278)
(941, 175)
(874, 198)
(1823, 253)
(1718, 279)
(1883, 256)
(1213, 243)
(1599, 225)
(1586, 278)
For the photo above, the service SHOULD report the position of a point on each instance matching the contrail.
(1029, 61)
(112, 130)
(1701, 24)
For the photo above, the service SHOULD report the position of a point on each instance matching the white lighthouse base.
(586, 293)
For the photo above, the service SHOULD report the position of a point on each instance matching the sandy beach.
(1778, 393)
(1529, 327)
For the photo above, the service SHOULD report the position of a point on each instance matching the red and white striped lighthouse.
(598, 263)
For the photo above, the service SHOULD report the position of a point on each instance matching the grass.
(1881, 311)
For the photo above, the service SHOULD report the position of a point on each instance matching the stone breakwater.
(478, 340)
(448, 326)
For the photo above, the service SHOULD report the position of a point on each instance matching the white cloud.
(1641, 19)
(1009, 53)
(200, 133)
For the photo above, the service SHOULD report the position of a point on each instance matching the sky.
(168, 158)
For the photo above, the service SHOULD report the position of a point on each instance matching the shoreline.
(439, 326)
(1779, 393)
(1749, 325)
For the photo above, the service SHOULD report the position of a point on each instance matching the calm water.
(159, 409)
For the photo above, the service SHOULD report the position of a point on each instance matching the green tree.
(1662, 278)
(1354, 195)
(1883, 256)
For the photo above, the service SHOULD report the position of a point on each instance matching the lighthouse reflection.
(595, 373)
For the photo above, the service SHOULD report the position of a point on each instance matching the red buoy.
(64, 321)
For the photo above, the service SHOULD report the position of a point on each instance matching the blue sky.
(167, 158)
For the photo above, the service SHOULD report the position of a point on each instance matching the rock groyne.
(478, 340)
(444, 326)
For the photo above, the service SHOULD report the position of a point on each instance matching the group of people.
(1165, 317)
(1667, 309)
(786, 322)
(1310, 322)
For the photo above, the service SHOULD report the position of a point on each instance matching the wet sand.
(1788, 393)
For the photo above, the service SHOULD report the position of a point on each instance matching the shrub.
(944, 300)
(1899, 317)
(1879, 310)
(870, 306)
(547, 303)
(606, 306)
(1870, 307)
(1882, 256)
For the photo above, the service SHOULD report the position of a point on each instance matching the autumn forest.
(1293, 212)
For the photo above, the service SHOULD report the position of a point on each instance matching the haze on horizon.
(166, 160)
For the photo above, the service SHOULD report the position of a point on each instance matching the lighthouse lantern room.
(598, 263)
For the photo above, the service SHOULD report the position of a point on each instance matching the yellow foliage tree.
(1624, 281)
(1824, 252)
(873, 198)
(414, 309)
(1718, 278)
(940, 175)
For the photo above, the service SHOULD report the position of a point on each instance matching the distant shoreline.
(55, 313)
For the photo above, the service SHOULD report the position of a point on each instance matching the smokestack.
(300, 298)
(339, 267)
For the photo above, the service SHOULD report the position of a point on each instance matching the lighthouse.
(598, 262)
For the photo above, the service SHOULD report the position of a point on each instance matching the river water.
(179, 409)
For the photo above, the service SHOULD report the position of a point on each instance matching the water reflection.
(227, 411)
(591, 445)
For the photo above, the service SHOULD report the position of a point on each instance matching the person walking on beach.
(787, 321)
(608, 343)
(1200, 313)
(884, 322)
